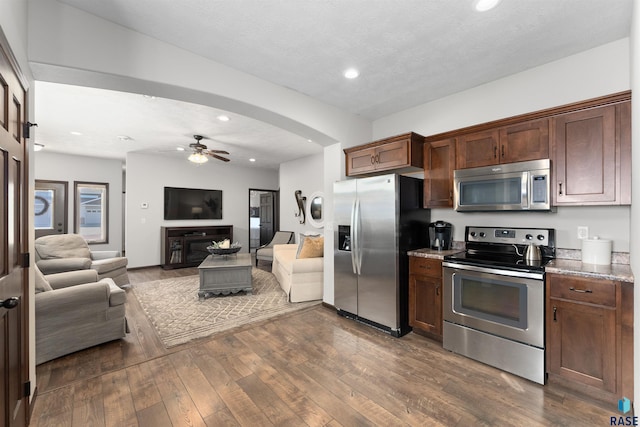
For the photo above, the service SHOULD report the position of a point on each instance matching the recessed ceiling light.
(149, 96)
(76, 133)
(180, 148)
(309, 140)
(38, 147)
(223, 118)
(124, 138)
(252, 160)
(351, 73)
(484, 5)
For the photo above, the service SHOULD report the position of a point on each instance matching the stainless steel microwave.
(522, 186)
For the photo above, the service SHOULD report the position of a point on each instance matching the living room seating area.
(299, 268)
(68, 252)
(76, 310)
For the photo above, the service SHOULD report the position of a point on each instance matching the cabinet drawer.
(602, 292)
(425, 266)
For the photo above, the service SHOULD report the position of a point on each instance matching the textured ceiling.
(408, 51)
(155, 126)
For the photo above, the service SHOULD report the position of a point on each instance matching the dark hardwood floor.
(310, 367)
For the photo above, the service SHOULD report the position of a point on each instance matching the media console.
(187, 246)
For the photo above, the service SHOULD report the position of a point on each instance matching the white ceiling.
(408, 52)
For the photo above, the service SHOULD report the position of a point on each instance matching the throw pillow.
(310, 246)
(41, 283)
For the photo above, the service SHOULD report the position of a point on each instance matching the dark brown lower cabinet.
(425, 296)
(590, 334)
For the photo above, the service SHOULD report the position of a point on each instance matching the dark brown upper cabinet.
(439, 163)
(592, 153)
(398, 152)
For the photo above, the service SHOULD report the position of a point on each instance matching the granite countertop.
(568, 266)
(620, 272)
(433, 253)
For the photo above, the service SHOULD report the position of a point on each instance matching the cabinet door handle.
(438, 290)
(373, 159)
(503, 151)
(582, 291)
(495, 152)
(377, 158)
(555, 310)
(560, 188)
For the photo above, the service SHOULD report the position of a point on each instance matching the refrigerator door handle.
(357, 238)
(352, 236)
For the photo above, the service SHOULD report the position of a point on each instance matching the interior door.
(266, 218)
(14, 368)
(50, 208)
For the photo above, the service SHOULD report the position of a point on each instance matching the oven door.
(498, 302)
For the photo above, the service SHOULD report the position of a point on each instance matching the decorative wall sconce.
(300, 200)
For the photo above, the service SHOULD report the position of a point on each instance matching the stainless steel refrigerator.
(377, 220)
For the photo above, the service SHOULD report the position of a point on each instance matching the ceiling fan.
(200, 152)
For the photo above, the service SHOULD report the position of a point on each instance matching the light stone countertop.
(432, 253)
(569, 265)
(620, 272)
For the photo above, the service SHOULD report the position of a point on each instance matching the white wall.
(600, 71)
(596, 72)
(147, 175)
(333, 171)
(62, 167)
(305, 174)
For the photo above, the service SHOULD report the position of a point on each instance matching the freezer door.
(377, 250)
(344, 279)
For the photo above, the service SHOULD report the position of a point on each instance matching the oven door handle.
(493, 270)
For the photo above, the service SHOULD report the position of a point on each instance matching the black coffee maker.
(440, 235)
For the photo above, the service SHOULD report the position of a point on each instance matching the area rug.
(177, 314)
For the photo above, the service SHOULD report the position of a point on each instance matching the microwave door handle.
(352, 235)
(525, 190)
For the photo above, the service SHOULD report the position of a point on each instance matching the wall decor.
(300, 201)
(315, 212)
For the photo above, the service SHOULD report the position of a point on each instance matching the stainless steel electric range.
(493, 306)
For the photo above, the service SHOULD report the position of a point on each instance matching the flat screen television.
(192, 203)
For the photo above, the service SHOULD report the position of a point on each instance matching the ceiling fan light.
(485, 5)
(198, 158)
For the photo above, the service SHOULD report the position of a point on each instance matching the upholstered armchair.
(265, 252)
(74, 310)
(58, 253)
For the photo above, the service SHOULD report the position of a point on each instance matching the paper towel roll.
(596, 251)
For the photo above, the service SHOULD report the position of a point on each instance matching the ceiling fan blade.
(224, 159)
(218, 152)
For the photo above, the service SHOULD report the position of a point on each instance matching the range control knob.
(540, 237)
(482, 234)
(473, 234)
(528, 236)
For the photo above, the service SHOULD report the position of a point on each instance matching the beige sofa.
(301, 279)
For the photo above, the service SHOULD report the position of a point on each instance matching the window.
(91, 211)
(43, 208)
(50, 207)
